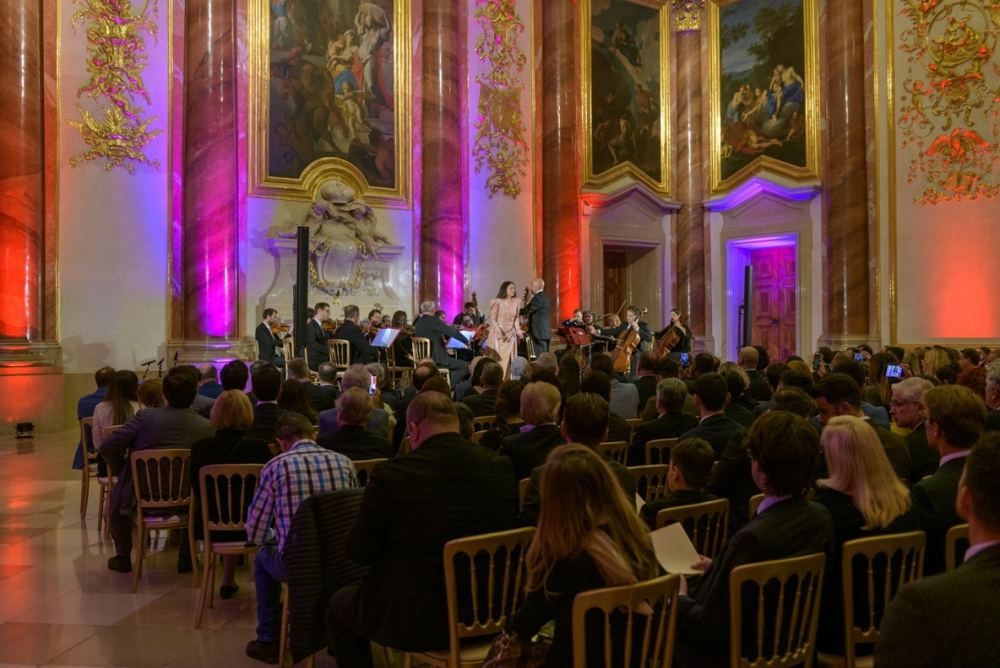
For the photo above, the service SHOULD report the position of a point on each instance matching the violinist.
(575, 321)
(632, 322)
(317, 348)
(374, 320)
(430, 326)
(362, 351)
(402, 347)
(269, 339)
(680, 331)
(471, 310)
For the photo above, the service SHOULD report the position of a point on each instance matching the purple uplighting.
(758, 186)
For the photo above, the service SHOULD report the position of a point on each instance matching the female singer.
(504, 330)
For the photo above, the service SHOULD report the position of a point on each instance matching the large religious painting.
(764, 86)
(625, 103)
(330, 94)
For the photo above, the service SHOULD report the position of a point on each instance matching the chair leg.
(283, 637)
(106, 533)
(205, 591)
(210, 573)
(84, 487)
(194, 555)
(101, 500)
(140, 550)
(407, 660)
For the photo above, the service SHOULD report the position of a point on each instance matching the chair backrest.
(614, 450)
(161, 478)
(956, 542)
(647, 611)
(650, 481)
(364, 468)
(755, 502)
(87, 437)
(632, 424)
(484, 422)
(522, 487)
(774, 611)
(226, 493)
(706, 524)
(404, 446)
(477, 436)
(873, 570)
(340, 353)
(421, 347)
(658, 450)
(484, 579)
(529, 348)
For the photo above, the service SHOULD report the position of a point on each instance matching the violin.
(281, 330)
(329, 326)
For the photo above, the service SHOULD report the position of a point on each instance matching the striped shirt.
(305, 469)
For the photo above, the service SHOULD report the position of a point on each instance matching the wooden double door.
(773, 314)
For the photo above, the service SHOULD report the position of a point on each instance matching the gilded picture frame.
(764, 114)
(356, 80)
(622, 114)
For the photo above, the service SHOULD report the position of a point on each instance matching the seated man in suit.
(540, 433)
(758, 390)
(599, 383)
(737, 383)
(266, 382)
(431, 327)
(711, 393)
(172, 426)
(953, 417)
(954, 619)
(380, 422)
(691, 463)
(444, 489)
(783, 449)
(361, 348)
(646, 379)
(672, 421)
(485, 402)
(352, 438)
(323, 395)
(905, 409)
(838, 394)
(624, 396)
(585, 421)
(878, 415)
(209, 385)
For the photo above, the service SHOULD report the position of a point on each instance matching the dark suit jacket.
(317, 348)
(992, 421)
(269, 346)
(647, 388)
(412, 506)
(923, 458)
(529, 449)
(682, 497)
(539, 319)
(211, 389)
(265, 420)
(718, 430)
(790, 528)
(357, 443)
(618, 429)
(431, 327)
(322, 397)
(378, 422)
(484, 403)
(739, 413)
(948, 620)
(361, 349)
(759, 388)
(896, 450)
(731, 479)
(934, 500)
(669, 425)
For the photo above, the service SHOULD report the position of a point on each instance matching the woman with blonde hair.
(589, 536)
(934, 359)
(865, 498)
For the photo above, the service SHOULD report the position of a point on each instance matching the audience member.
(293, 398)
(906, 413)
(588, 537)
(951, 619)
(209, 385)
(466, 421)
(234, 376)
(953, 418)
(173, 426)
(352, 438)
(879, 415)
(793, 400)
(691, 463)
(231, 416)
(301, 470)
(298, 370)
(86, 404)
(598, 382)
(569, 374)
(671, 421)
(992, 396)
(624, 396)
(120, 403)
(151, 394)
(266, 381)
(646, 379)
(783, 448)
(865, 498)
(748, 359)
(484, 402)
(437, 384)
(444, 489)
(421, 374)
(357, 376)
(540, 411)
(323, 395)
(473, 383)
(508, 414)
(737, 383)
(711, 393)
(202, 405)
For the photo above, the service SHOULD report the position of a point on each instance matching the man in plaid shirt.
(301, 470)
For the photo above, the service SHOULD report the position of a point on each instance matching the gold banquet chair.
(494, 589)
(364, 468)
(705, 524)
(653, 604)
(658, 450)
(616, 451)
(421, 348)
(340, 354)
(956, 542)
(650, 481)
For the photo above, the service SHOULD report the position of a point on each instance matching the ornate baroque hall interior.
(157, 159)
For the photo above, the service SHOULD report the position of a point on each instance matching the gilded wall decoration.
(765, 89)
(500, 145)
(949, 114)
(625, 48)
(330, 89)
(687, 14)
(116, 58)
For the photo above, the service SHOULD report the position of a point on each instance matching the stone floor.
(61, 606)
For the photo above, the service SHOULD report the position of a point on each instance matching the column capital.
(687, 14)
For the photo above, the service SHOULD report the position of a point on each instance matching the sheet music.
(674, 549)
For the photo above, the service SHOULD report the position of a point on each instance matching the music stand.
(384, 338)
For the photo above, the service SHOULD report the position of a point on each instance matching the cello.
(628, 342)
(669, 338)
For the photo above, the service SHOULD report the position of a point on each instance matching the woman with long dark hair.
(504, 329)
(120, 403)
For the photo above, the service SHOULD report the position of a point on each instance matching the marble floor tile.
(38, 643)
(78, 607)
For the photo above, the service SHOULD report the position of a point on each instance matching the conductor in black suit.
(443, 489)
(317, 348)
(431, 327)
(269, 345)
(361, 348)
(539, 319)
(953, 619)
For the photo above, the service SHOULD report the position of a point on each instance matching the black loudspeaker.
(745, 338)
(300, 295)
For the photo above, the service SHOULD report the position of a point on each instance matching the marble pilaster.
(561, 238)
(442, 224)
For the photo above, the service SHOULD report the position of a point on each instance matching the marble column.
(442, 225)
(845, 211)
(22, 161)
(561, 239)
(689, 166)
(209, 232)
